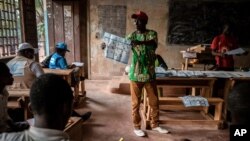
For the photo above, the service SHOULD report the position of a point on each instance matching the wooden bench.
(74, 128)
(22, 100)
(13, 104)
(175, 103)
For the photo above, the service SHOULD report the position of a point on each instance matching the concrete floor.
(111, 119)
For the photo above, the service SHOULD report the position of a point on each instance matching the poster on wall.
(117, 48)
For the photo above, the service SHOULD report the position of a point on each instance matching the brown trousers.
(136, 94)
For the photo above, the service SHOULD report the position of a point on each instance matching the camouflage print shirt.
(143, 60)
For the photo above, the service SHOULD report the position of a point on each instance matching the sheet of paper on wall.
(235, 51)
(78, 64)
(117, 48)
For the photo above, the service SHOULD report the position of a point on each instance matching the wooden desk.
(204, 83)
(206, 86)
(205, 59)
(66, 74)
(22, 93)
(74, 129)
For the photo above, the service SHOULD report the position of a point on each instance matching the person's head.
(140, 19)
(61, 48)
(26, 50)
(239, 103)
(5, 75)
(51, 100)
(227, 29)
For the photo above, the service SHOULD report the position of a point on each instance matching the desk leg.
(27, 112)
(186, 64)
(83, 88)
(76, 93)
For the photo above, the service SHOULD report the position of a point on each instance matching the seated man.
(6, 123)
(24, 68)
(58, 61)
(51, 102)
(159, 62)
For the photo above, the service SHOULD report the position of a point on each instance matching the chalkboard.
(198, 21)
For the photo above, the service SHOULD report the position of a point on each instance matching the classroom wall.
(157, 10)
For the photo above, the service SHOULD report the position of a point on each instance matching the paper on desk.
(78, 64)
(178, 73)
(235, 51)
(187, 54)
(160, 70)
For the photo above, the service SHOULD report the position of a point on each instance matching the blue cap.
(62, 45)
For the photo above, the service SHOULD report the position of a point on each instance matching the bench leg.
(218, 111)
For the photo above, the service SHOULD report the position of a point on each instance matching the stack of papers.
(178, 73)
(190, 101)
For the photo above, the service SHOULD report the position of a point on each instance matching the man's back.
(57, 62)
(35, 134)
(21, 71)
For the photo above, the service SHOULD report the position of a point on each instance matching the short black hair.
(48, 93)
(239, 102)
(3, 68)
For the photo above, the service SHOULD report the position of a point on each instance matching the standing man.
(23, 68)
(142, 72)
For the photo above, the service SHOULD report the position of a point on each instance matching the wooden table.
(206, 86)
(66, 74)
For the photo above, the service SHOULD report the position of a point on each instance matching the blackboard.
(198, 21)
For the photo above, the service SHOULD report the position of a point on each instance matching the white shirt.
(35, 134)
(37, 69)
(4, 117)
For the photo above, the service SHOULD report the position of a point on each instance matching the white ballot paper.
(117, 48)
(78, 64)
(235, 51)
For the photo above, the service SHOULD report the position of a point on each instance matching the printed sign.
(117, 48)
